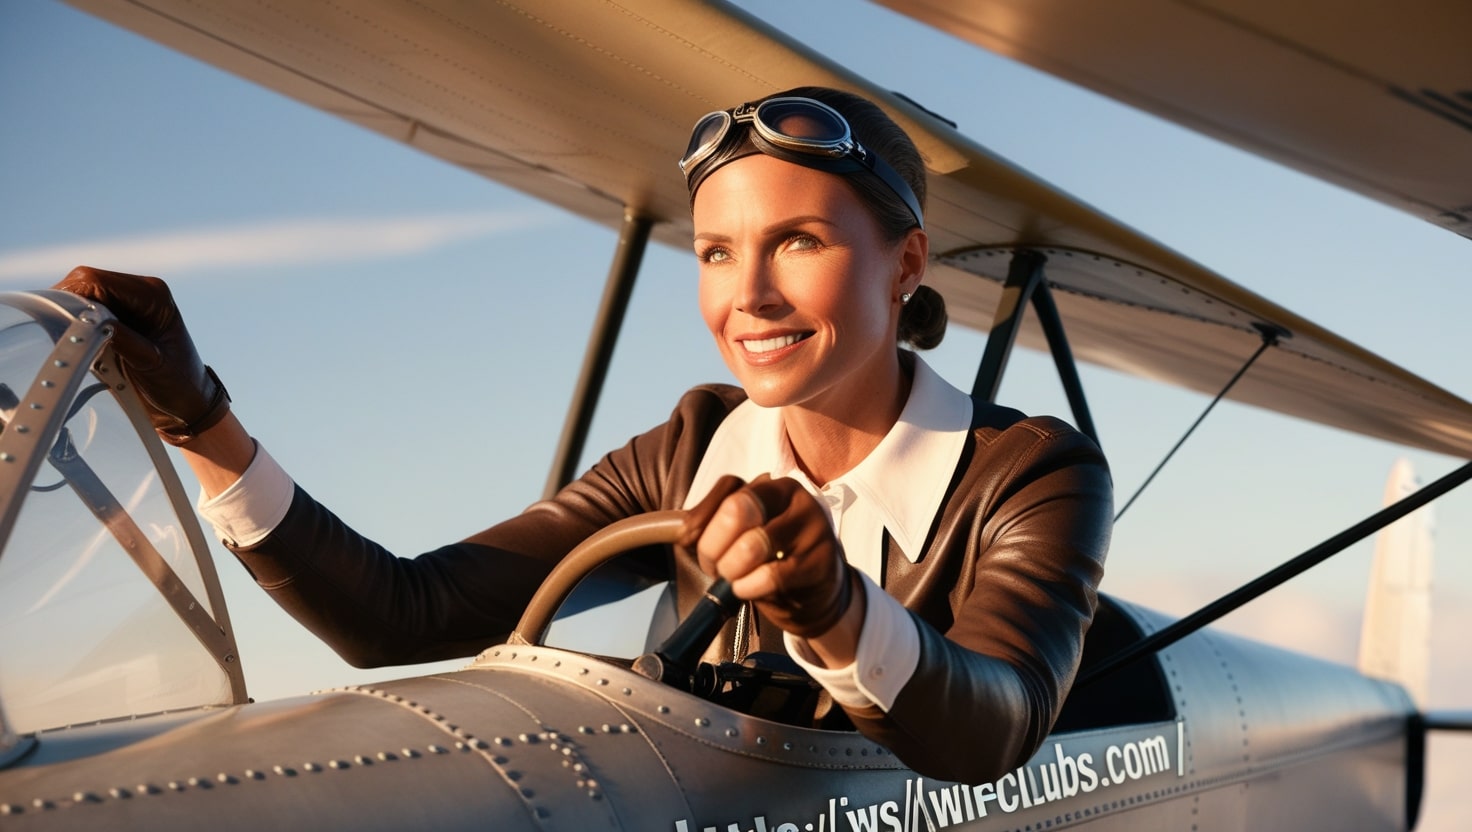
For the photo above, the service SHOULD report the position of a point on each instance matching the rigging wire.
(1270, 335)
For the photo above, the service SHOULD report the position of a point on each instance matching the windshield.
(86, 630)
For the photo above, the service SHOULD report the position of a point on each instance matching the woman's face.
(798, 285)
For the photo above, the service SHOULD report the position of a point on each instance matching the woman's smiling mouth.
(762, 346)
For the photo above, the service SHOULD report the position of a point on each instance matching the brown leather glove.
(812, 583)
(183, 396)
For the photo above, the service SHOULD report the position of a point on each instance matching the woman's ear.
(914, 256)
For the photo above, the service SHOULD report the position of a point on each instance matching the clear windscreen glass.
(615, 614)
(84, 633)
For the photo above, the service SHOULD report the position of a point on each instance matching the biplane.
(143, 720)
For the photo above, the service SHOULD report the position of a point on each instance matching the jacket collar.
(902, 482)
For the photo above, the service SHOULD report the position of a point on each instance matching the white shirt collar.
(901, 483)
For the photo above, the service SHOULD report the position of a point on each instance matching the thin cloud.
(281, 243)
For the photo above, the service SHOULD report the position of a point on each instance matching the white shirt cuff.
(888, 651)
(246, 512)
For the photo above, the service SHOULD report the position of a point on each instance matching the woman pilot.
(931, 560)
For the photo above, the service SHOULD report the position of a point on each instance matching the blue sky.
(403, 335)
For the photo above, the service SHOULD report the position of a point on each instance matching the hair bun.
(923, 319)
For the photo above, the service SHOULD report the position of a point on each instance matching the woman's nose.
(757, 292)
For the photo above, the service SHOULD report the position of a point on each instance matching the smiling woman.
(905, 601)
(930, 560)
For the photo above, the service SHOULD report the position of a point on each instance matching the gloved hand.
(771, 539)
(183, 396)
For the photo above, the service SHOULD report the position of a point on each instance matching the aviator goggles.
(798, 130)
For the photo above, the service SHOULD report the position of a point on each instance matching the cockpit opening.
(1133, 694)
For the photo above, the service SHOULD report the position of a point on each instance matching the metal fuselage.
(1215, 733)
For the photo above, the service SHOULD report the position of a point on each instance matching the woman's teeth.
(769, 344)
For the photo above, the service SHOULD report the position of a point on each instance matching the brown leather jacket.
(1003, 593)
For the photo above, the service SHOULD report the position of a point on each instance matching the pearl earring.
(905, 298)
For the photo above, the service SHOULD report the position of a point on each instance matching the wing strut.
(1073, 387)
(1024, 275)
(1270, 335)
(1025, 283)
(633, 239)
(1178, 630)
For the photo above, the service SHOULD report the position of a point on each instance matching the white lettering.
(1006, 805)
(920, 807)
(947, 807)
(985, 793)
(1156, 754)
(1180, 744)
(1088, 778)
(1132, 765)
(1036, 784)
(890, 814)
(1113, 753)
(1052, 788)
(1067, 771)
(1138, 759)
(861, 821)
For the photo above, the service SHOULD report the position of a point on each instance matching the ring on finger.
(767, 548)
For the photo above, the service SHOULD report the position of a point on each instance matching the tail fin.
(1395, 641)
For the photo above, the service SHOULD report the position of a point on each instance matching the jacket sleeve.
(377, 609)
(1020, 550)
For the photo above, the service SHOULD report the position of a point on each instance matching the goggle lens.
(705, 137)
(801, 125)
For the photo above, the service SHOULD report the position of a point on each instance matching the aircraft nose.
(571, 759)
(475, 749)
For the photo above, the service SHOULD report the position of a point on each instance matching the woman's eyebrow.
(790, 222)
(784, 224)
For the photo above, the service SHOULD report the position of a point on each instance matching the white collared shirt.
(898, 488)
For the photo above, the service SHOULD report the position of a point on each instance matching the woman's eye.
(714, 254)
(803, 242)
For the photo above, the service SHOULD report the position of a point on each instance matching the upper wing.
(587, 105)
(1375, 97)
